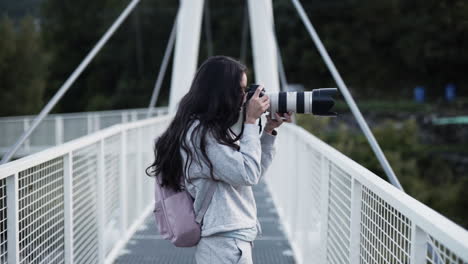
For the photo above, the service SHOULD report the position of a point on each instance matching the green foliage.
(381, 48)
(123, 73)
(18, 9)
(424, 175)
(387, 106)
(23, 67)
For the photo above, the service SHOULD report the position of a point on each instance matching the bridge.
(78, 192)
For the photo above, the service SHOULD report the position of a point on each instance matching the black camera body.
(251, 90)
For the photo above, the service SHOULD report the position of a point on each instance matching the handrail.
(59, 128)
(53, 152)
(80, 114)
(103, 173)
(314, 184)
(318, 191)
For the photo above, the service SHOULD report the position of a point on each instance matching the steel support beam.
(264, 44)
(186, 50)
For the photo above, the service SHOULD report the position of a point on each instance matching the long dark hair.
(214, 98)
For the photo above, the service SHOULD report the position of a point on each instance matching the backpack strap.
(206, 201)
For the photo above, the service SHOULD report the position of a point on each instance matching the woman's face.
(243, 85)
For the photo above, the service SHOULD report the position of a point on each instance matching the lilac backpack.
(175, 215)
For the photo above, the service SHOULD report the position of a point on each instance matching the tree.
(23, 68)
(382, 48)
(123, 73)
(18, 9)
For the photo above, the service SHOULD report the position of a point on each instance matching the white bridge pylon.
(188, 40)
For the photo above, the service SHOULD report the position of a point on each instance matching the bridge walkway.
(146, 246)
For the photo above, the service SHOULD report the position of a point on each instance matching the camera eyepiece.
(251, 90)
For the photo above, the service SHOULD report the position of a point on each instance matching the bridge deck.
(273, 247)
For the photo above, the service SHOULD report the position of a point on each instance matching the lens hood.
(322, 101)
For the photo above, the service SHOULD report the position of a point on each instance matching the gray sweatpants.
(226, 250)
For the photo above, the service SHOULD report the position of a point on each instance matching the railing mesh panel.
(437, 253)
(41, 213)
(112, 192)
(339, 216)
(10, 129)
(132, 137)
(75, 127)
(3, 222)
(310, 211)
(107, 121)
(148, 156)
(85, 224)
(44, 135)
(385, 232)
(315, 182)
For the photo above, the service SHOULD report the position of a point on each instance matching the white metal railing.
(336, 211)
(59, 128)
(81, 201)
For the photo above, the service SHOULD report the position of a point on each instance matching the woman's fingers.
(257, 106)
(257, 92)
(278, 118)
(265, 103)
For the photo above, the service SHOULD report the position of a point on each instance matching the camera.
(316, 102)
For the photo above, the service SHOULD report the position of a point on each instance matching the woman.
(201, 146)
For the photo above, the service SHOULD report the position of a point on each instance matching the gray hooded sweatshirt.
(233, 205)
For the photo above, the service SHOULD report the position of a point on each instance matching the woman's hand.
(272, 124)
(256, 106)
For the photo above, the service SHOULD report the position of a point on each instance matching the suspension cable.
(162, 70)
(64, 88)
(347, 95)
